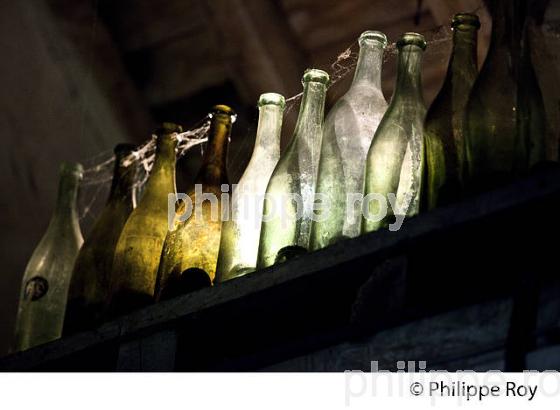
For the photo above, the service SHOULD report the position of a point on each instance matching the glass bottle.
(191, 248)
(532, 122)
(394, 161)
(239, 243)
(504, 124)
(347, 134)
(88, 297)
(289, 201)
(47, 276)
(139, 247)
(443, 139)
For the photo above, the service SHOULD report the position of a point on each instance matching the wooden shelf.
(472, 284)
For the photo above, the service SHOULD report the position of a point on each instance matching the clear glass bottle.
(239, 243)
(504, 123)
(47, 276)
(347, 134)
(88, 297)
(443, 129)
(394, 161)
(139, 247)
(289, 201)
(191, 248)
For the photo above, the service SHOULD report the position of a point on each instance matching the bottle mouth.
(465, 19)
(315, 75)
(413, 39)
(223, 109)
(124, 149)
(168, 128)
(72, 168)
(372, 35)
(272, 99)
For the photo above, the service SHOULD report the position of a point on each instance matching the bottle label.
(36, 288)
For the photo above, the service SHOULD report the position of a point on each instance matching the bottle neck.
(312, 108)
(162, 175)
(508, 17)
(214, 162)
(269, 130)
(66, 203)
(409, 74)
(464, 54)
(123, 184)
(368, 69)
(165, 152)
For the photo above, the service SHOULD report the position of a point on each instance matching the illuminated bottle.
(289, 202)
(394, 161)
(347, 134)
(504, 124)
(139, 247)
(191, 248)
(46, 279)
(241, 232)
(443, 139)
(88, 297)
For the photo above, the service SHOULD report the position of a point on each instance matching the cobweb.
(99, 170)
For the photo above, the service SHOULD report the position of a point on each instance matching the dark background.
(79, 76)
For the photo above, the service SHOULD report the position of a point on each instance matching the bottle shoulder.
(403, 112)
(108, 225)
(256, 175)
(365, 97)
(53, 255)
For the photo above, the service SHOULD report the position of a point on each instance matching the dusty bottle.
(239, 243)
(443, 129)
(88, 297)
(46, 279)
(140, 243)
(347, 134)
(394, 162)
(289, 203)
(192, 245)
(504, 124)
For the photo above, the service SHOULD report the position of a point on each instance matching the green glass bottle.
(443, 129)
(139, 247)
(191, 248)
(532, 122)
(394, 162)
(504, 124)
(47, 276)
(241, 232)
(347, 134)
(289, 202)
(88, 297)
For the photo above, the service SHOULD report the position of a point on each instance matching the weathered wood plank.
(435, 341)
(455, 256)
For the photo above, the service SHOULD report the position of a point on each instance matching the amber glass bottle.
(191, 248)
(138, 250)
(88, 297)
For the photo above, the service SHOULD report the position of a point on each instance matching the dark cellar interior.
(472, 285)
